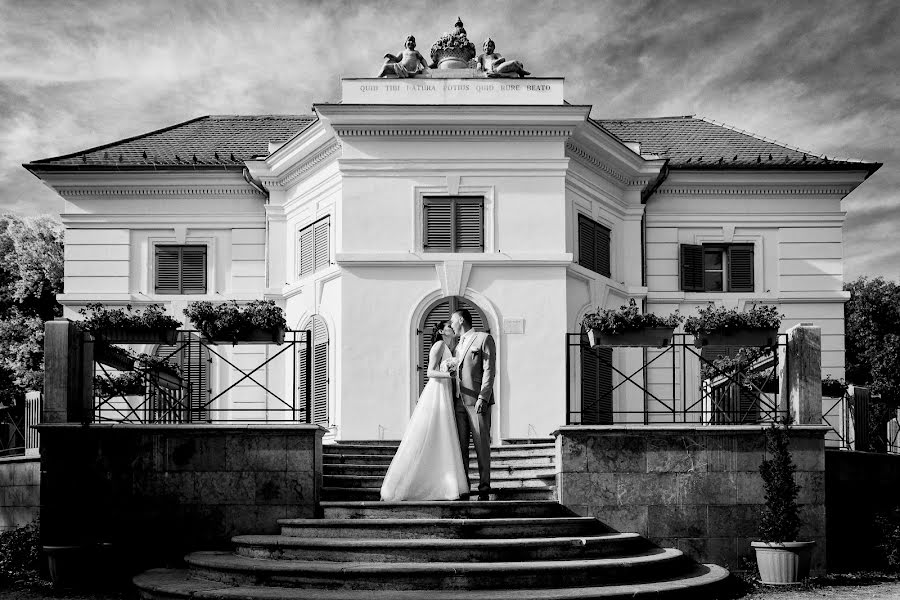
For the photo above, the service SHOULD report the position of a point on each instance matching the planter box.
(782, 563)
(254, 336)
(113, 357)
(120, 335)
(650, 337)
(757, 338)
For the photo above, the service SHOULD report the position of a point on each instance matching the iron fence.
(12, 431)
(677, 383)
(197, 381)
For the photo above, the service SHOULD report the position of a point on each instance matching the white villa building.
(370, 219)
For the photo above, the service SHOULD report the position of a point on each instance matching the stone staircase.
(507, 549)
(355, 470)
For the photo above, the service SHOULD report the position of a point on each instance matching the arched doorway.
(441, 311)
(320, 373)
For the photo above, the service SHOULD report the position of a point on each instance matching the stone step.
(448, 509)
(701, 583)
(657, 563)
(374, 493)
(532, 527)
(517, 451)
(523, 472)
(276, 547)
(498, 480)
(535, 461)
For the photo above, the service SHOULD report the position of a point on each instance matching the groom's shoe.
(484, 497)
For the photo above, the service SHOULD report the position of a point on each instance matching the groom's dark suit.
(475, 380)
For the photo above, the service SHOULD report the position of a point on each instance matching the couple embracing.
(432, 461)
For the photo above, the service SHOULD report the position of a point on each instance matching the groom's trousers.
(478, 426)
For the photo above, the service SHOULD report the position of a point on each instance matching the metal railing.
(861, 422)
(678, 383)
(196, 381)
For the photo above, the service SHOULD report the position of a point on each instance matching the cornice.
(98, 191)
(760, 219)
(419, 259)
(755, 190)
(454, 131)
(151, 221)
(301, 169)
(580, 154)
(373, 167)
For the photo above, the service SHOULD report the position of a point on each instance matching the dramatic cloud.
(819, 75)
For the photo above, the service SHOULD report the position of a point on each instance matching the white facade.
(536, 161)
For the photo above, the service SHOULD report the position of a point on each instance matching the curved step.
(276, 547)
(448, 509)
(507, 493)
(239, 570)
(442, 528)
(535, 460)
(498, 480)
(497, 471)
(704, 581)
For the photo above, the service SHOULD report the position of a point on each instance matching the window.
(717, 268)
(318, 364)
(593, 246)
(313, 247)
(453, 224)
(180, 269)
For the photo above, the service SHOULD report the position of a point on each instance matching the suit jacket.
(477, 366)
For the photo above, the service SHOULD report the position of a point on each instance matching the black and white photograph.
(542, 300)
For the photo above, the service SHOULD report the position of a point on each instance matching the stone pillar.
(68, 361)
(803, 367)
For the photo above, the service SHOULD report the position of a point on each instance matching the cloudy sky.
(822, 76)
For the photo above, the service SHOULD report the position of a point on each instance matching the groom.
(474, 394)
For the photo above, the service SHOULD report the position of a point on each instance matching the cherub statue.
(409, 64)
(495, 65)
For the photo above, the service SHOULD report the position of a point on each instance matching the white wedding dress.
(428, 463)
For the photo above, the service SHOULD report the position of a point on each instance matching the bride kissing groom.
(432, 460)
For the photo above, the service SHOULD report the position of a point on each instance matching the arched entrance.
(441, 311)
(320, 373)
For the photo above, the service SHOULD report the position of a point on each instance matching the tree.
(31, 274)
(872, 326)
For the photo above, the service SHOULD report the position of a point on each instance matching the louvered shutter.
(302, 391)
(168, 270)
(438, 221)
(193, 269)
(322, 250)
(596, 385)
(691, 259)
(193, 360)
(601, 250)
(320, 373)
(305, 252)
(441, 312)
(740, 268)
(587, 246)
(469, 225)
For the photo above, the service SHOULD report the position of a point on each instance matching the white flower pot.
(782, 563)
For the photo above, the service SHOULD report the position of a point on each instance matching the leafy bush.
(888, 526)
(728, 365)
(20, 553)
(627, 318)
(123, 384)
(718, 319)
(158, 363)
(780, 519)
(153, 316)
(833, 388)
(230, 321)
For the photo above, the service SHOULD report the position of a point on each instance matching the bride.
(428, 463)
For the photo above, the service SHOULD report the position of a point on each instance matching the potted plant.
(628, 326)
(780, 557)
(161, 372)
(112, 356)
(833, 388)
(124, 325)
(257, 322)
(720, 326)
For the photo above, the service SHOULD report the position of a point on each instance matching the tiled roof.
(226, 141)
(204, 142)
(696, 143)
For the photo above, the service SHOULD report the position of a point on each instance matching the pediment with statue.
(452, 56)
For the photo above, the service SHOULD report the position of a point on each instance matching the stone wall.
(695, 488)
(155, 492)
(20, 479)
(859, 485)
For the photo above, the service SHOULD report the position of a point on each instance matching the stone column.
(68, 389)
(804, 374)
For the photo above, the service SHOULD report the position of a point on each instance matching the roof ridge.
(117, 142)
(267, 116)
(635, 119)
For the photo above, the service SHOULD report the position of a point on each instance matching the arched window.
(193, 359)
(441, 311)
(596, 384)
(319, 383)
